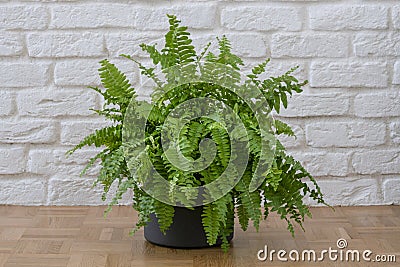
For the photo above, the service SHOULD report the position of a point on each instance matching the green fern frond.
(154, 54)
(214, 218)
(165, 215)
(252, 204)
(226, 56)
(144, 204)
(221, 138)
(228, 229)
(113, 168)
(110, 137)
(283, 128)
(178, 45)
(242, 214)
(118, 89)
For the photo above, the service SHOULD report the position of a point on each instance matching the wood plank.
(3, 258)
(81, 236)
(42, 260)
(88, 260)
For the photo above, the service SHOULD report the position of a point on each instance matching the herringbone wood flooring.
(81, 236)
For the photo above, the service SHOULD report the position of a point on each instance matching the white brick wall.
(23, 74)
(11, 44)
(345, 134)
(348, 73)
(347, 122)
(261, 18)
(65, 45)
(76, 72)
(396, 75)
(377, 44)
(92, 15)
(197, 16)
(348, 17)
(309, 45)
(24, 17)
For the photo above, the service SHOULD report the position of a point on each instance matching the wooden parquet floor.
(81, 236)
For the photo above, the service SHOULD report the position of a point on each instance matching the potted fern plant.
(204, 149)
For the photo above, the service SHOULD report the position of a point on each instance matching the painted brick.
(396, 73)
(154, 18)
(348, 74)
(72, 132)
(243, 44)
(395, 132)
(128, 43)
(377, 44)
(52, 103)
(309, 45)
(6, 103)
(306, 105)
(396, 16)
(51, 161)
(23, 74)
(278, 67)
(345, 134)
(73, 190)
(28, 131)
(377, 162)
(248, 45)
(377, 105)
(92, 16)
(65, 45)
(76, 72)
(16, 155)
(11, 44)
(351, 191)
(391, 192)
(201, 40)
(343, 17)
(23, 191)
(24, 17)
(262, 18)
(324, 163)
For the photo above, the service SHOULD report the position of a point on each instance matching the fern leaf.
(109, 136)
(252, 204)
(214, 218)
(165, 215)
(178, 49)
(283, 128)
(118, 89)
(242, 215)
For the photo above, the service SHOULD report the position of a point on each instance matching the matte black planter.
(186, 230)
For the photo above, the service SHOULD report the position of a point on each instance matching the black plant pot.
(186, 230)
